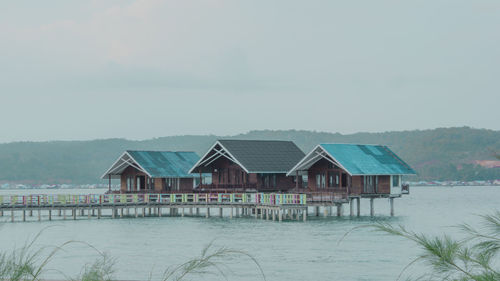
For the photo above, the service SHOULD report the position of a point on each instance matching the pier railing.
(181, 198)
(326, 197)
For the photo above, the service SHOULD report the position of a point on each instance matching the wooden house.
(154, 171)
(259, 165)
(356, 170)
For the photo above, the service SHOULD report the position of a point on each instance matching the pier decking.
(269, 206)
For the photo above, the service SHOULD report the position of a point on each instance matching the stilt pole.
(372, 208)
(392, 206)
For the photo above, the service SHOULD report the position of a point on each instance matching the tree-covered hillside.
(438, 154)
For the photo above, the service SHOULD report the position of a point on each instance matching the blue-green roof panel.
(360, 159)
(165, 164)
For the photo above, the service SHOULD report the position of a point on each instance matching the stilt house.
(154, 171)
(259, 165)
(357, 170)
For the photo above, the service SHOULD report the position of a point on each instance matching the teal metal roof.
(163, 164)
(360, 159)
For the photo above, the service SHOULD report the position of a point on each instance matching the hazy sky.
(142, 69)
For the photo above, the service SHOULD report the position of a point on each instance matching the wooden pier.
(268, 206)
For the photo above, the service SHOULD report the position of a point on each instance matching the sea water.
(323, 248)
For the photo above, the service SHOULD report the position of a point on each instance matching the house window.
(318, 180)
(395, 181)
(323, 180)
(129, 183)
(274, 180)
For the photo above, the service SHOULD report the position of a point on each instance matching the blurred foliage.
(474, 258)
(438, 154)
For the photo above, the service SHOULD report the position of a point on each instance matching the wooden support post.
(113, 212)
(358, 205)
(231, 213)
(261, 213)
(59, 212)
(24, 215)
(31, 213)
(135, 212)
(88, 212)
(339, 210)
(197, 211)
(280, 215)
(392, 206)
(149, 212)
(220, 212)
(325, 211)
(267, 213)
(74, 214)
(351, 207)
(143, 211)
(191, 211)
(93, 212)
(159, 211)
(182, 214)
(1, 213)
(304, 214)
(237, 211)
(121, 212)
(297, 180)
(128, 211)
(207, 214)
(256, 213)
(274, 215)
(372, 208)
(99, 213)
(39, 214)
(64, 214)
(316, 211)
(12, 215)
(50, 214)
(81, 212)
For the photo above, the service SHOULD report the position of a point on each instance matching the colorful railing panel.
(182, 198)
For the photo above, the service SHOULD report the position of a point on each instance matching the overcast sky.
(141, 69)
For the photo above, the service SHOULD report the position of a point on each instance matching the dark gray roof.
(264, 155)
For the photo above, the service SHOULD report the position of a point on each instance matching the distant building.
(369, 170)
(259, 165)
(154, 171)
(488, 163)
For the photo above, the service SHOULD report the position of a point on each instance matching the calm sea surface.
(286, 251)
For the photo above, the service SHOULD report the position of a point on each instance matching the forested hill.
(438, 154)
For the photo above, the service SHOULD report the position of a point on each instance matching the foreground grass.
(29, 263)
(474, 258)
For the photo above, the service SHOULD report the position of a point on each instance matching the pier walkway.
(270, 206)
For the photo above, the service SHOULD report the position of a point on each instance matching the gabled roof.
(156, 164)
(357, 159)
(254, 156)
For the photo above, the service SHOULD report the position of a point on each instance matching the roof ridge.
(344, 143)
(255, 140)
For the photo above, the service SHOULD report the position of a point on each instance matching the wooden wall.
(185, 184)
(357, 184)
(130, 172)
(232, 174)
